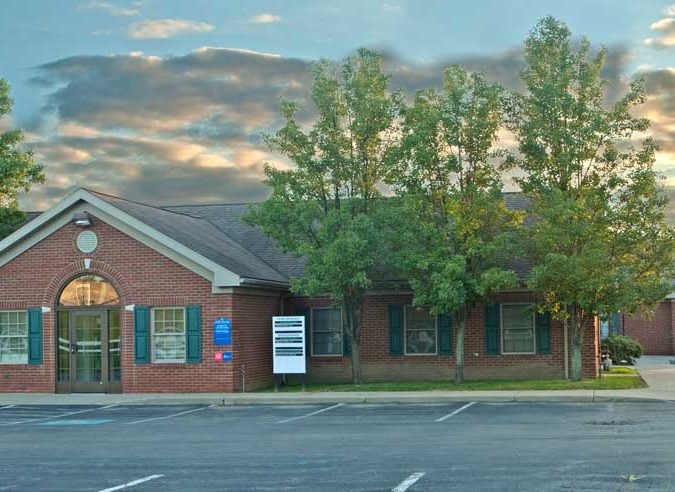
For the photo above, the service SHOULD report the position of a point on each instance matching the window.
(326, 331)
(168, 335)
(420, 331)
(89, 290)
(517, 329)
(13, 337)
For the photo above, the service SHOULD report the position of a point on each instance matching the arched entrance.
(88, 337)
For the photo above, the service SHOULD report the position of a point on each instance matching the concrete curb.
(576, 396)
(332, 398)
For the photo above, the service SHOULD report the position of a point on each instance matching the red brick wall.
(143, 277)
(252, 326)
(378, 365)
(655, 334)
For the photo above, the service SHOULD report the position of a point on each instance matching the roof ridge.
(209, 204)
(141, 203)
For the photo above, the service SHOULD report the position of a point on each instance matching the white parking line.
(131, 484)
(455, 412)
(310, 414)
(408, 482)
(67, 414)
(167, 416)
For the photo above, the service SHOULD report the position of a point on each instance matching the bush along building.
(102, 294)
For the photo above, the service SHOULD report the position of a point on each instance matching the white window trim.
(405, 337)
(342, 333)
(501, 328)
(152, 322)
(27, 337)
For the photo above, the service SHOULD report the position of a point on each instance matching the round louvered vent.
(87, 241)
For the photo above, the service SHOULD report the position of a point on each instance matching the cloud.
(390, 8)
(188, 128)
(109, 8)
(669, 9)
(264, 19)
(166, 28)
(665, 29)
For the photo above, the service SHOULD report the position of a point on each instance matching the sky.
(165, 101)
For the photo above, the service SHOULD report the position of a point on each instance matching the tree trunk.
(459, 321)
(576, 344)
(353, 331)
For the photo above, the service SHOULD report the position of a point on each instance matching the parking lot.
(459, 446)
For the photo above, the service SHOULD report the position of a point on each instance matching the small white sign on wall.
(288, 344)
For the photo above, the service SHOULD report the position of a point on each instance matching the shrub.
(622, 349)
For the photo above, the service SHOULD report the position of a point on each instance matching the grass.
(622, 370)
(615, 382)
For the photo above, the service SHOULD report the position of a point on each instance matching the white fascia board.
(41, 227)
(41, 220)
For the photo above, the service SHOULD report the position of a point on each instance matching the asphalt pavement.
(463, 446)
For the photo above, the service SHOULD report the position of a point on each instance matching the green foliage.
(447, 173)
(599, 239)
(11, 218)
(328, 207)
(448, 176)
(18, 170)
(622, 348)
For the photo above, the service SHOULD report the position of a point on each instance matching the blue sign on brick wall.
(227, 356)
(222, 332)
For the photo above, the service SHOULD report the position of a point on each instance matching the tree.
(448, 178)
(326, 208)
(18, 170)
(598, 241)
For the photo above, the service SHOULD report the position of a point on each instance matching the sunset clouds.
(165, 28)
(188, 128)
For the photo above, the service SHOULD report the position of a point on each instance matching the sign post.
(288, 346)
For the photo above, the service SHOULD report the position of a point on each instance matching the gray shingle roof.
(201, 236)
(217, 232)
(227, 219)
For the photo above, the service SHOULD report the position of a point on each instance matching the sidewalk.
(656, 371)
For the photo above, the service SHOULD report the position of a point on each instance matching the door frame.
(72, 385)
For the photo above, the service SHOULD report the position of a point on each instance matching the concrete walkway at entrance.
(659, 373)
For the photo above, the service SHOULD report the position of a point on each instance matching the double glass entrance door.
(88, 351)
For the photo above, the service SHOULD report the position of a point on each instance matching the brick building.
(656, 333)
(101, 294)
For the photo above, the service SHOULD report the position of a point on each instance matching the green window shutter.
(615, 323)
(347, 345)
(141, 334)
(543, 327)
(492, 329)
(35, 336)
(303, 311)
(444, 335)
(346, 341)
(194, 334)
(395, 330)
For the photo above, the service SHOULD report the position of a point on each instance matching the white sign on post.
(288, 344)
